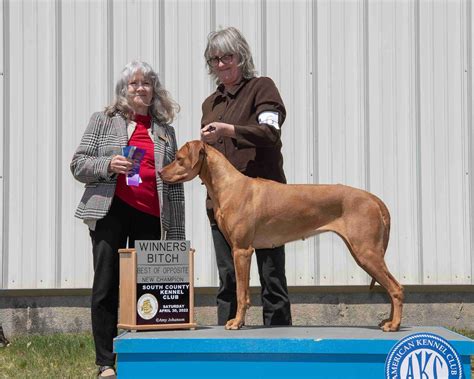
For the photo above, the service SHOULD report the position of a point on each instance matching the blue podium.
(268, 352)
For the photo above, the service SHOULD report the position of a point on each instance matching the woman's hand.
(213, 131)
(120, 165)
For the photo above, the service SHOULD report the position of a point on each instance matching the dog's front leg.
(242, 260)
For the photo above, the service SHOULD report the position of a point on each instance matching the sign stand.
(157, 286)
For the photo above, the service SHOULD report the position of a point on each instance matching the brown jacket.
(256, 150)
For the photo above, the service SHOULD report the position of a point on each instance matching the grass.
(65, 356)
(50, 356)
(470, 334)
(467, 333)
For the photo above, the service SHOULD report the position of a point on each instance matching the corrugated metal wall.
(2, 145)
(378, 95)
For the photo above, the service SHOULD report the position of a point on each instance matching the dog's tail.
(385, 214)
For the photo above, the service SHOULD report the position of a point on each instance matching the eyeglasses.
(225, 59)
(136, 85)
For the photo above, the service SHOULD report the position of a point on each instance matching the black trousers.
(271, 269)
(122, 222)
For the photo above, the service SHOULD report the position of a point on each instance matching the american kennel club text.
(424, 356)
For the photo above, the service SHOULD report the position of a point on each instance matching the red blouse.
(145, 196)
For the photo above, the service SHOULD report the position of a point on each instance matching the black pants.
(271, 269)
(111, 233)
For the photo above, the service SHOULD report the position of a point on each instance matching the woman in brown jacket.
(243, 119)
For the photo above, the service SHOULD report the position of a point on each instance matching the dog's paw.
(234, 324)
(389, 326)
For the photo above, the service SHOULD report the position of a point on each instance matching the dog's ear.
(196, 148)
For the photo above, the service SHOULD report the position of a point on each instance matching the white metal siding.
(32, 147)
(2, 146)
(443, 145)
(378, 96)
(83, 52)
(392, 128)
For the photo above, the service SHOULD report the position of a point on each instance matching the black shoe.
(3, 341)
(107, 372)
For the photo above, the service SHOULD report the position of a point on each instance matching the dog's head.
(186, 165)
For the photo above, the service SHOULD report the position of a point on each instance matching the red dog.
(259, 214)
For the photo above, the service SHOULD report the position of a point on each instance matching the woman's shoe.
(106, 372)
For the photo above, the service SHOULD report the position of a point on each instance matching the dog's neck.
(218, 174)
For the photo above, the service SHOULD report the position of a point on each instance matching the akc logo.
(423, 356)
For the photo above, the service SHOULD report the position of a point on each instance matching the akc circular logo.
(147, 306)
(423, 356)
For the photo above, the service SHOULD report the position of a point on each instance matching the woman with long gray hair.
(118, 158)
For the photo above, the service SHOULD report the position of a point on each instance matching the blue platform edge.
(274, 352)
(273, 346)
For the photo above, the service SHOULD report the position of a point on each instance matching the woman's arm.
(270, 115)
(176, 199)
(86, 165)
(264, 130)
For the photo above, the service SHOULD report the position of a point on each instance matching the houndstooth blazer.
(104, 137)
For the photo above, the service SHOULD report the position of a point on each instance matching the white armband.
(269, 118)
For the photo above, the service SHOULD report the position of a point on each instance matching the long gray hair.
(230, 41)
(162, 107)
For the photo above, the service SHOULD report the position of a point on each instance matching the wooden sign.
(157, 286)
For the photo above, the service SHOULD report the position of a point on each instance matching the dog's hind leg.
(368, 251)
(373, 263)
(242, 260)
(395, 291)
